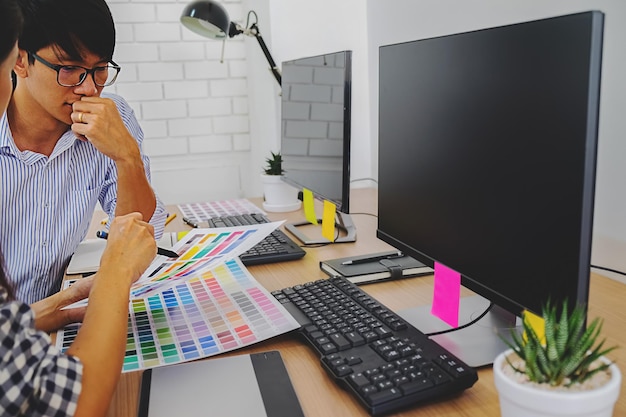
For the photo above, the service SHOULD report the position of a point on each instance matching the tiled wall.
(192, 107)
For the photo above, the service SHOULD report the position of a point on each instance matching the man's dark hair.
(73, 26)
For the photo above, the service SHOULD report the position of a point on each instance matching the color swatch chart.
(199, 250)
(222, 309)
(201, 212)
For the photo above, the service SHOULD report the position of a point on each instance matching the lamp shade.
(206, 18)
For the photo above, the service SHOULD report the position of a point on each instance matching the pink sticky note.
(446, 294)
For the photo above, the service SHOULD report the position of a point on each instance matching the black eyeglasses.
(73, 75)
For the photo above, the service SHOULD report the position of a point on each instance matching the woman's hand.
(130, 248)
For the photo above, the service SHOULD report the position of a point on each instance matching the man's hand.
(98, 120)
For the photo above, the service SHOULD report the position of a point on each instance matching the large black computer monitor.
(487, 160)
(315, 135)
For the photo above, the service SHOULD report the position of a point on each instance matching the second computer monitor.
(315, 133)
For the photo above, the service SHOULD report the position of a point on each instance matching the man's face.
(53, 98)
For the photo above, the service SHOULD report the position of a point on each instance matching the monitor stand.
(478, 344)
(343, 222)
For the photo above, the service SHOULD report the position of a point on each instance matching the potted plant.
(568, 374)
(274, 164)
(278, 196)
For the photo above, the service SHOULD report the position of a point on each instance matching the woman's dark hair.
(70, 25)
(10, 27)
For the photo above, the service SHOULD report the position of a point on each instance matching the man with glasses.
(66, 145)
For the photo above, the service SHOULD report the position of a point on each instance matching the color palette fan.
(215, 311)
(199, 250)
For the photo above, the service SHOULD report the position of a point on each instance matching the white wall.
(301, 29)
(194, 109)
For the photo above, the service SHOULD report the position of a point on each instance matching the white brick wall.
(192, 107)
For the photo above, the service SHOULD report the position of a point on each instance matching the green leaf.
(562, 332)
(551, 329)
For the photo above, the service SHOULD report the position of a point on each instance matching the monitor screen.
(487, 156)
(315, 135)
(315, 125)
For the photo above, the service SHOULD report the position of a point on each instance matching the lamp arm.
(254, 31)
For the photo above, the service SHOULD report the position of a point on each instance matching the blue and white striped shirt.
(47, 204)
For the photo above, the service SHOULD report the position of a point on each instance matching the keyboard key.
(384, 396)
(358, 380)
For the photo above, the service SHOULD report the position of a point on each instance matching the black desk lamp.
(209, 19)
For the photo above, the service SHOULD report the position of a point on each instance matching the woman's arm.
(101, 342)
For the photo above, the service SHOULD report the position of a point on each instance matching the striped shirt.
(47, 204)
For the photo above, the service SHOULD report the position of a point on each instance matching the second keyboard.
(275, 247)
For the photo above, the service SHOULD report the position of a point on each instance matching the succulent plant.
(570, 352)
(274, 164)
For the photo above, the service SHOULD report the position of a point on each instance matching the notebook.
(375, 267)
(87, 256)
(254, 385)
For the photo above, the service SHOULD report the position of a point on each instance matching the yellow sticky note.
(309, 208)
(328, 220)
(537, 323)
(181, 235)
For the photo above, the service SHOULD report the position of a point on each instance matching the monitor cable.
(476, 320)
(604, 268)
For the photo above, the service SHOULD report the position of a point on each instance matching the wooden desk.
(318, 394)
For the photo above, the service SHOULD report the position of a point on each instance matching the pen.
(170, 218)
(190, 222)
(367, 259)
(161, 251)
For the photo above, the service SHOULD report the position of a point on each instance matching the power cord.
(483, 314)
(364, 179)
(364, 214)
(604, 268)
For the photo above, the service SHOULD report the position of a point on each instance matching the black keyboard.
(275, 247)
(385, 362)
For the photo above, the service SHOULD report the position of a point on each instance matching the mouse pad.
(255, 385)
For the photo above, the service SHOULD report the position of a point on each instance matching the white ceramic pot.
(518, 400)
(278, 196)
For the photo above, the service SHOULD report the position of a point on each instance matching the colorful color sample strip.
(199, 250)
(201, 212)
(221, 309)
